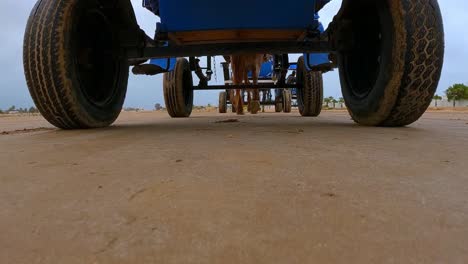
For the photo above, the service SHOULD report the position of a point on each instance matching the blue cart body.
(189, 15)
(213, 15)
(266, 71)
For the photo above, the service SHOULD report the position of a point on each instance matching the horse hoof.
(255, 107)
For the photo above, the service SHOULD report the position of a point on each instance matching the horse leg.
(256, 94)
(240, 102)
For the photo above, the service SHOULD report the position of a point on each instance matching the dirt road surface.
(273, 188)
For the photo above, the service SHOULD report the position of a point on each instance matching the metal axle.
(284, 47)
(243, 86)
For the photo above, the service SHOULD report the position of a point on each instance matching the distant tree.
(209, 105)
(341, 101)
(457, 92)
(33, 110)
(12, 108)
(334, 101)
(199, 107)
(437, 98)
(158, 107)
(1, 111)
(327, 101)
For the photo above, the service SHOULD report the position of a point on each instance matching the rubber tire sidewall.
(56, 88)
(287, 101)
(178, 84)
(279, 104)
(396, 98)
(310, 91)
(222, 102)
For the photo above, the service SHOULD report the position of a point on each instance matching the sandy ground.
(273, 188)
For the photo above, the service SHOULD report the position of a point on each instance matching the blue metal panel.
(315, 59)
(266, 71)
(153, 5)
(190, 15)
(167, 64)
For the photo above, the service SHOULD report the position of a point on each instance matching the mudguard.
(313, 60)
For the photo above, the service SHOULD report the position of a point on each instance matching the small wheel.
(178, 89)
(287, 101)
(222, 102)
(310, 91)
(391, 69)
(74, 71)
(278, 104)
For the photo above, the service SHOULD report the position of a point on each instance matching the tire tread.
(424, 62)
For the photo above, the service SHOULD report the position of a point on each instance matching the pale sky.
(145, 91)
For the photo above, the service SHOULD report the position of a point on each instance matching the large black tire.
(390, 71)
(287, 101)
(178, 89)
(310, 91)
(222, 102)
(72, 64)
